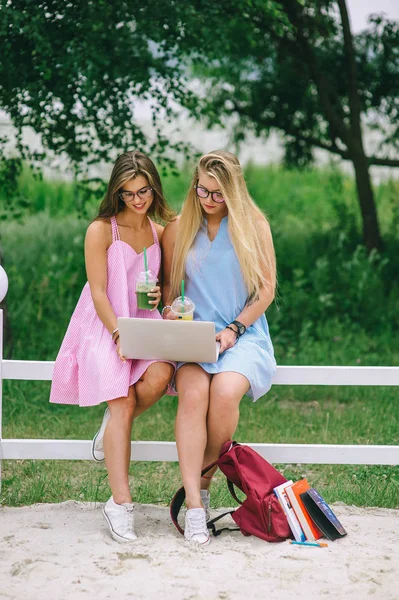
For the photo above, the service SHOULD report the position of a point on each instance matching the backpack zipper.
(269, 524)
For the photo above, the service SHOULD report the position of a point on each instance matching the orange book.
(293, 492)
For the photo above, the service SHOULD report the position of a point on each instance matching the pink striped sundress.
(88, 370)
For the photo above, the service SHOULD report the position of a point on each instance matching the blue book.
(322, 514)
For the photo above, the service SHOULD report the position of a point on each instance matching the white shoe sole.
(114, 535)
(194, 543)
(98, 455)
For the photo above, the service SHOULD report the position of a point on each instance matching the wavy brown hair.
(130, 165)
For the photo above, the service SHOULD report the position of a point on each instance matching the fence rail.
(36, 370)
(48, 449)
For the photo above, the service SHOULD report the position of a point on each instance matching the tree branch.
(332, 147)
(383, 162)
(315, 142)
(309, 139)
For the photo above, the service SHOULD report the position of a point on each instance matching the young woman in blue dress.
(221, 245)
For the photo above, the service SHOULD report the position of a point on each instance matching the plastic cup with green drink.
(145, 282)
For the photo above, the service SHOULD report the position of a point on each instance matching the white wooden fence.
(166, 451)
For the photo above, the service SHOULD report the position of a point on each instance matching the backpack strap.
(211, 522)
(180, 496)
(230, 485)
(178, 499)
(216, 532)
(175, 506)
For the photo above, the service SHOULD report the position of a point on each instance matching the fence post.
(3, 292)
(1, 395)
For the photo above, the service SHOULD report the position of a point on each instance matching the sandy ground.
(57, 551)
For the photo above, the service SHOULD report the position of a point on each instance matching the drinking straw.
(182, 295)
(145, 264)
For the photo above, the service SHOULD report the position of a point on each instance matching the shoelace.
(197, 524)
(128, 518)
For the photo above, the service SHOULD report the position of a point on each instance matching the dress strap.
(154, 233)
(115, 230)
(156, 244)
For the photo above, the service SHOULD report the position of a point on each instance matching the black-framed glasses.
(144, 194)
(204, 193)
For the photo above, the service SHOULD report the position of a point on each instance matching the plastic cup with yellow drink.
(183, 308)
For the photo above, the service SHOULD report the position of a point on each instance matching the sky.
(360, 9)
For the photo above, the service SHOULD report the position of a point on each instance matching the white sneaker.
(195, 530)
(120, 520)
(97, 446)
(206, 500)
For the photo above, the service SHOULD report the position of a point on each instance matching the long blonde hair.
(130, 165)
(252, 243)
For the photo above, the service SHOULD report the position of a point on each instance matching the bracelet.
(233, 330)
(113, 333)
(164, 308)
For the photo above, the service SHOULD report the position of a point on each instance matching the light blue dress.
(215, 283)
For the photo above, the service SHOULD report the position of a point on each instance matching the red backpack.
(260, 514)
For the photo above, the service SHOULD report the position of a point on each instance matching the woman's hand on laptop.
(155, 294)
(227, 339)
(118, 349)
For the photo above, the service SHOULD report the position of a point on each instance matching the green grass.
(336, 306)
(287, 414)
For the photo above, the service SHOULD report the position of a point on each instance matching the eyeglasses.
(204, 193)
(144, 194)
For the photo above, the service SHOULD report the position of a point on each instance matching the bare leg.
(117, 435)
(152, 386)
(117, 445)
(226, 392)
(193, 385)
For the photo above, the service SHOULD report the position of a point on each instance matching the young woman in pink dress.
(90, 368)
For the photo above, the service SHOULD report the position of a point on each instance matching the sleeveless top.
(88, 370)
(215, 283)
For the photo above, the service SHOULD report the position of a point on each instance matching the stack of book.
(308, 514)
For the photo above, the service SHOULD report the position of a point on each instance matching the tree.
(306, 75)
(74, 70)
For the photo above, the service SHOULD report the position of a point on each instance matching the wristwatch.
(241, 329)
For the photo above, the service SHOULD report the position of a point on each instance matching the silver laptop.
(182, 341)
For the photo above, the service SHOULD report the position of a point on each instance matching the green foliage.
(78, 70)
(45, 266)
(286, 415)
(299, 71)
(74, 71)
(325, 274)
